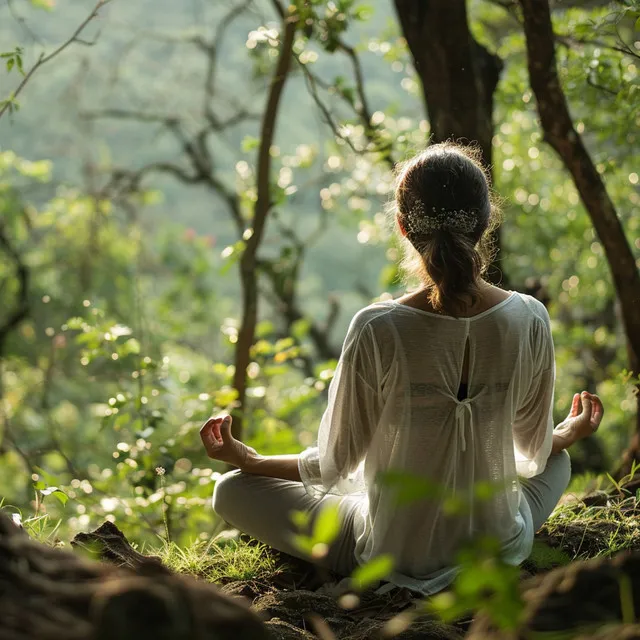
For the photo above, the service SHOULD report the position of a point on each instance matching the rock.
(109, 544)
(48, 594)
(584, 597)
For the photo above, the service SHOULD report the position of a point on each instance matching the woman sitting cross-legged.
(453, 383)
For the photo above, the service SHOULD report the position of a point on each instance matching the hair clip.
(416, 222)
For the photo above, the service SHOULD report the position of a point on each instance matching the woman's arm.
(285, 466)
(221, 445)
(345, 431)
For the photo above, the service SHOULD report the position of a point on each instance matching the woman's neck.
(488, 297)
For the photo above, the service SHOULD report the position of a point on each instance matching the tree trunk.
(560, 133)
(47, 593)
(249, 261)
(459, 76)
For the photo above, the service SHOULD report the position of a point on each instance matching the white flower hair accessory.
(417, 223)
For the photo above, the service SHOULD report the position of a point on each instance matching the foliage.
(483, 584)
(133, 301)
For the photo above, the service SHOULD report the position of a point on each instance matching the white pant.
(260, 507)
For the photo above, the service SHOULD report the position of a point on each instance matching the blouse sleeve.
(348, 424)
(533, 424)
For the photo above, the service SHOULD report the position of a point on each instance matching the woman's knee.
(563, 463)
(225, 494)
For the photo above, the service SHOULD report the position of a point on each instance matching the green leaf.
(249, 143)
(61, 496)
(75, 323)
(57, 493)
(47, 5)
(455, 505)
(363, 12)
(301, 518)
(373, 571)
(446, 606)
(327, 526)
(49, 477)
(304, 544)
(486, 490)
(131, 346)
(545, 557)
(410, 488)
(10, 63)
(300, 328)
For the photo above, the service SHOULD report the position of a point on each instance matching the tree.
(458, 75)
(560, 133)
(250, 217)
(14, 60)
(263, 206)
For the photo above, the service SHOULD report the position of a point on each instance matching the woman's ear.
(403, 231)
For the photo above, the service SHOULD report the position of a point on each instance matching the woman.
(453, 383)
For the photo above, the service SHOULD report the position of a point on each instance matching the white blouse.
(393, 408)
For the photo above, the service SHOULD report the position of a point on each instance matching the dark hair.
(444, 203)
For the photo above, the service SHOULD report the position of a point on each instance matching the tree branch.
(43, 59)
(22, 307)
(569, 41)
(211, 49)
(284, 281)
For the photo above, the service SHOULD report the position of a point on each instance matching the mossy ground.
(595, 519)
(298, 601)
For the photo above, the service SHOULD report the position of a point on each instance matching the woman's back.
(407, 366)
(442, 398)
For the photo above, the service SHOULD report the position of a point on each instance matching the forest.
(194, 203)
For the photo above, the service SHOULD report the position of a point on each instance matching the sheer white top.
(393, 407)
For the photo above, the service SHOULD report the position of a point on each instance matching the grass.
(220, 560)
(41, 528)
(575, 531)
(590, 530)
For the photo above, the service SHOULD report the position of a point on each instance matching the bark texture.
(560, 133)
(458, 75)
(49, 594)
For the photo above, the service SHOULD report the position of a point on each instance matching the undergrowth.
(39, 526)
(593, 531)
(599, 528)
(575, 531)
(219, 560)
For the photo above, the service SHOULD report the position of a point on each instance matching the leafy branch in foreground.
(10, 104)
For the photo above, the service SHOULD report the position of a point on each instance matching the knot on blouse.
(462, 407)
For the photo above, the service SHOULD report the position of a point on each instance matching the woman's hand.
(221, 445)
(583, 421)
